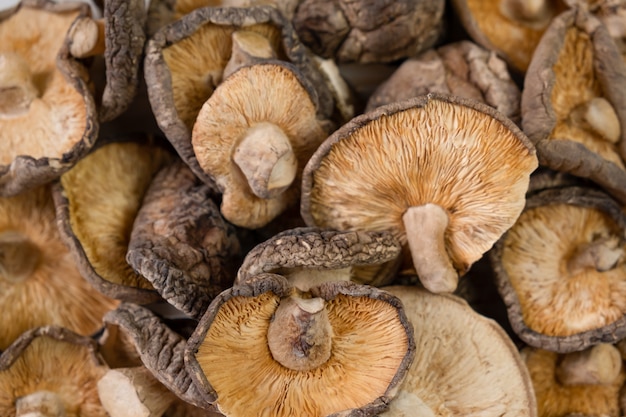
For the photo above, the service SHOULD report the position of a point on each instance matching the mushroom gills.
(19, 256)
(17, 89)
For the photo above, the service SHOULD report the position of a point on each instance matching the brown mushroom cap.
(255, 151)
(47, 113)
(465, 365)
(39, 281)
(52, 371)
(235, 348)
(97, 202)
(560, 270)
(439, 154)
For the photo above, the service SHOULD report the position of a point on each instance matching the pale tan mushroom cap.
(57, 117)
(465, 364)
(535, 255)
(262, 93)
(475, 167)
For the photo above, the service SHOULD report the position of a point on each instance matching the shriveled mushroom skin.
(180, 242)
(369, 31)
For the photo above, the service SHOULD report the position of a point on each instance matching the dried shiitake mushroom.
(462, 69)
(465, 364)
(40, 283)
(433, 171)
(338, 349)
(180, 242)
(47, 112)
(573, 106)
(97, 202)
(561, 270)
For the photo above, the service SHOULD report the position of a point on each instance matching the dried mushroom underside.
(573, 106)
(97, 202)
(39, 280)
(429, 169)
(185, 61)
(338, 349)
(561, 270)
(309, 256)
(369, 31)
(181, 243)
(47, 112)
(462, 69)
(50, 371)
(586, 383)
(465, 364)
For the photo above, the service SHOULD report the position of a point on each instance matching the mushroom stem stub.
(425, 228)
(601, 116)
(87, 37)
(599, 365)
(19, 257)
(40, 404)
(266, 159)
(529, 11)
(602, 255)
(17, 90)
(300, 335)
(248, 47)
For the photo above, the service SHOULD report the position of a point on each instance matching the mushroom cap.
(465, 365)
(181, 243)
(97, 202)
(281, 98)
(575, 63)
(53, 292)
(431, 149)
(60, 125)
(548, 306)
(54, 360)
(371, 348)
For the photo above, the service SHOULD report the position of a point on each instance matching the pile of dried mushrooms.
(313, 208)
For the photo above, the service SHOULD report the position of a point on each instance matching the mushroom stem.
(40, 404)
(425, 228)
(602, 255)
(87, 37)
(133, 392)
(17, 90)
(529, 11)
(598, 365)
(19, 257)
(248, 47)
(600, 115)
(300, 335)
(266, 159)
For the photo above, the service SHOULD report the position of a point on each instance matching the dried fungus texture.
(49, 289)
(183, 7)
(181, 243)
(97, 202)
(55, 361)
(369, 31)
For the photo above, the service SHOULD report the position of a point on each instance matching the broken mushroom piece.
(572, 106)
(256, 151)
(561, 270)
(47, 112)
(448, 196)
(40, 283)
(586, 382)
(180, 242)
(97, 202)
(309, 256)
(339, 348)
(51, 371)
(465, 364)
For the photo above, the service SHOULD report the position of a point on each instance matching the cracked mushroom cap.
(308, 256)
(573, 106)
(40, 283)
(181, 243)
(340, 349)
(97, 202)
(465, 365)
(47, 112)
(560, 270)
(431, 170)
(253, 136)
(50, 371)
